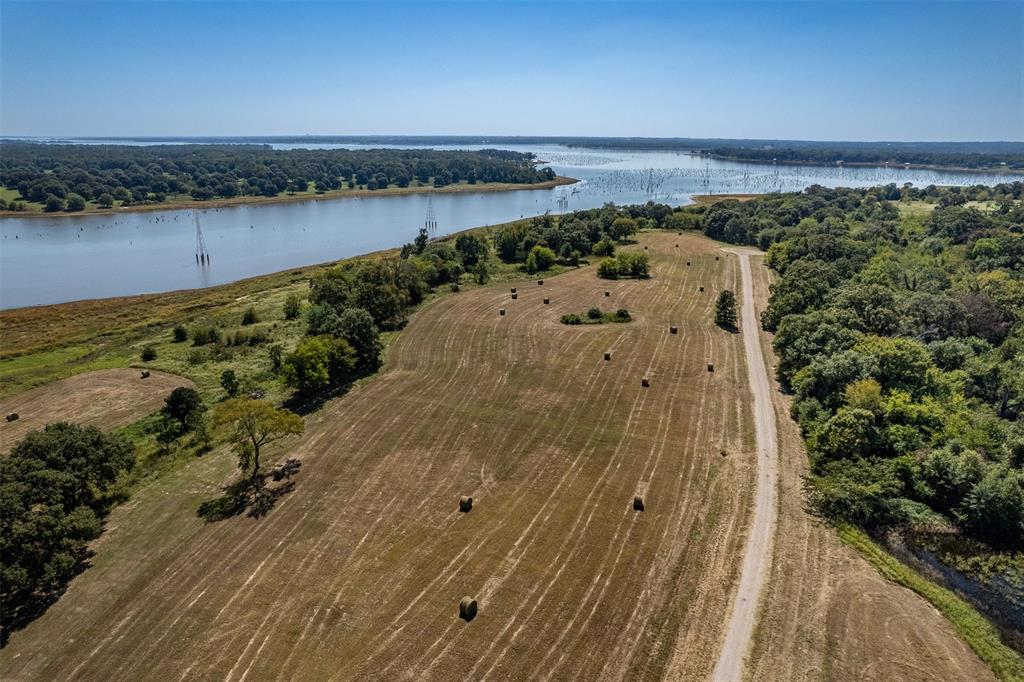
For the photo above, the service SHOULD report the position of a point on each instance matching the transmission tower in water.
(431, 222)
(202, 255)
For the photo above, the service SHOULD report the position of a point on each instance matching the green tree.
(422, 238)
(180, 405)
(318, 361)
(54, 203)
(179, 333)
(254, 425)
(725, 310)
(75, 202)
(622, 228)
(471, 249)
(481, 273)
(540, 259)
(105, 200)
(356, 326)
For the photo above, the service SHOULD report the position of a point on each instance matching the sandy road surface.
(758, 550)
(106, 398)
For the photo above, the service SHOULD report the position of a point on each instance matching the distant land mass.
(970, 155)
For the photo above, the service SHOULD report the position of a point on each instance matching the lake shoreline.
(333, 195)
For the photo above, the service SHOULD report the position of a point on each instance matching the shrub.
(453, 287)
(204, 335)
(572, 318)
(605, 247)
(148, 354)
(292, 306)
(229, 382)
(608, 269)
(594, 313)
(633, 264)
(54, 203)
(180, 333)
(276, 356)
(249, 316)
(623, 314)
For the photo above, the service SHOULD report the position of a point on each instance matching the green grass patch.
(975, 629)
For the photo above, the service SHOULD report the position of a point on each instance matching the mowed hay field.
(105, 398)
(358, 573)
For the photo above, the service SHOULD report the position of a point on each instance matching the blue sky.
(825, 70)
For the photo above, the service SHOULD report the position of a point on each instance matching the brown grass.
(107, 399)
(356, 573)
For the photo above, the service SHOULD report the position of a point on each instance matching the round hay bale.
(645, 382)
(711, 367)
(513, 290)
(145, 374)
(540, 282)
(638, 502)
(465, 503)
(607, 357)
(716, 257)
(677, 246)
(673, 329)
(702, 289)
(687, 262)
(645, 248)
(501, 312)
(546, 301)
(607, 294)
(515, 296)
(12, 417)
(467, 609)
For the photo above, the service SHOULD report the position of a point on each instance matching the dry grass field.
(360, 570)
(358, 573)
(106, 398)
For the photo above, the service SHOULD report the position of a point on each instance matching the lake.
(54, 260)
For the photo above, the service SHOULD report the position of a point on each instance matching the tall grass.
(976, 630)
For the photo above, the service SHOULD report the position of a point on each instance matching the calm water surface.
(53, 260)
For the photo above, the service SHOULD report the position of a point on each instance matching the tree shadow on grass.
(252, 496)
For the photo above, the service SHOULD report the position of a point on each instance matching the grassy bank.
(976, 630)
(185, 201)
(45, 343)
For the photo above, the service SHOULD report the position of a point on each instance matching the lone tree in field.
(725, 310)
(254, 424)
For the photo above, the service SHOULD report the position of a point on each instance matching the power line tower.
(431, 222)
(202, 255)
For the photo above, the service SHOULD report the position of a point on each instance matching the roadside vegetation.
(898, 316)
(56, 178)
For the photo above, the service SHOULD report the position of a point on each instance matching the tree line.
(67, 176)
(901, 336)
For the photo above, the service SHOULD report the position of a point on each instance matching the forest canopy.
(65, 176)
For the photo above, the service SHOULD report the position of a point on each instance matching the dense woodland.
(65, 177)
(868, 155)
(900, 332)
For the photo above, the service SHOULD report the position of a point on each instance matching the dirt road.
(758, 550)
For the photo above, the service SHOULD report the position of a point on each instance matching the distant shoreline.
(178, 205)
(868, 164)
